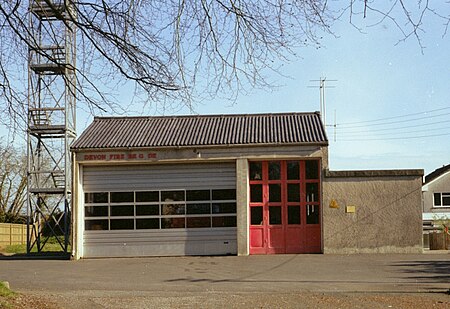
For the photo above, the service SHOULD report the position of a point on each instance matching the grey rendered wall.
(440, 184)
(388, 211)
(242, 200)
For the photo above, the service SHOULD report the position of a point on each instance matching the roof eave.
(427, 184)
(81, 149)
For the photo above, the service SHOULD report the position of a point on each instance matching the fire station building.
(232, 184)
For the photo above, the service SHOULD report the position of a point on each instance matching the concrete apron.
(410, 273)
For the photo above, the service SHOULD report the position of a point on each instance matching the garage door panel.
(161, 249)
(164, 243)
(114, 226)
(159, 177)
(157, 236)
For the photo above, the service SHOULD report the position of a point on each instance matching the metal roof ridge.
(98, 118)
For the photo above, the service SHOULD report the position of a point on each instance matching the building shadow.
(433, 271)
(36, 256)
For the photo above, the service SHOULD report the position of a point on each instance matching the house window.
(442, 199)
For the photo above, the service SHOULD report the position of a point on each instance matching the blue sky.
(404, 88)
(378, 78)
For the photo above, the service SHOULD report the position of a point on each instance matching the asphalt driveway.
(184, 276)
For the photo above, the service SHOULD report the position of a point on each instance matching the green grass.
(51, 245)
(4, 291)
(15, 249)
(5, 296)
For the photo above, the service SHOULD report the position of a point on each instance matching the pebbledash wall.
(360, 211)
(372, 211)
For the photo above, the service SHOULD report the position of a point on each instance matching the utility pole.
(334, 125)
(322, 85)
(51, 121)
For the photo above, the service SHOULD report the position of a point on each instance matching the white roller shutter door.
(159, 210)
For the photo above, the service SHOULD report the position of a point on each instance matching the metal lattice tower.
(51, 121)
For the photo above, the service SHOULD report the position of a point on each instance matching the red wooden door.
(285, 207)
(303, 207)
(262, 234)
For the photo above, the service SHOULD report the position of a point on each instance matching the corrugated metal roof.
(205, 130)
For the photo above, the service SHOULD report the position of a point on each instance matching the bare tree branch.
(168, 51)
(13, 181)
(172, 50)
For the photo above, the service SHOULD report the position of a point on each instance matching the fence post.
(10, 234)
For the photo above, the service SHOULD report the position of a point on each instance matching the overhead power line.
(409, 126)
(394, 122)
(392, 138)
(350, 124)
(368, 133)
(354, 130)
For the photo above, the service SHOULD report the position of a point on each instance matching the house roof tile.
(436, 173)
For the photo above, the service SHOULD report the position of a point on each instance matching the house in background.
(436, 199)
(436, 194)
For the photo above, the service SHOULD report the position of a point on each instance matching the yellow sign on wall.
(350, 209)
(334, 204)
